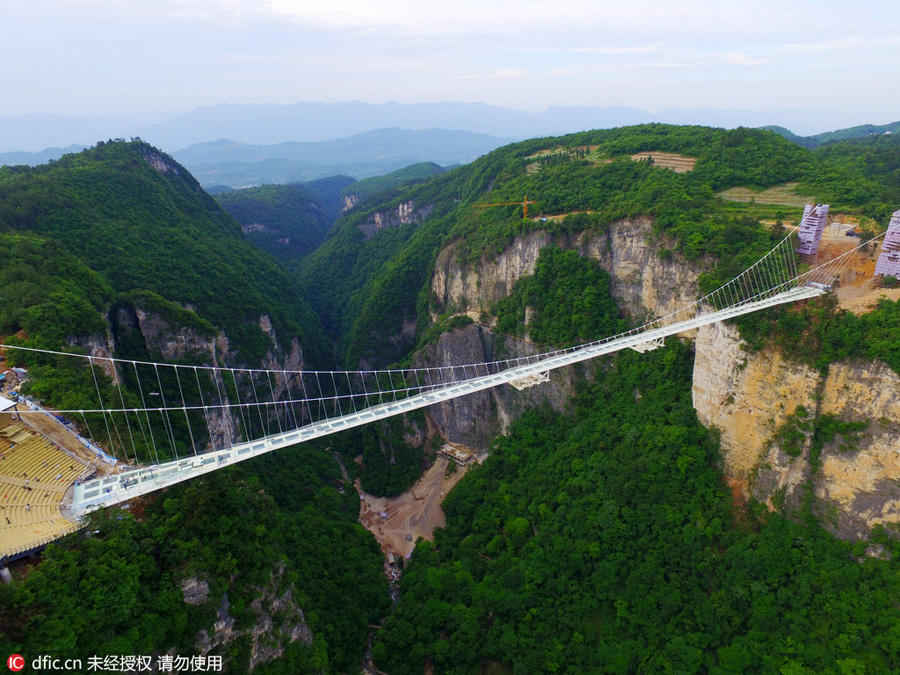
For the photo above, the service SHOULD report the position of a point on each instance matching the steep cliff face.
(749, 397)
(643, 281)
(405, 213)
(181, 337)
(277, 621)
(474, 421)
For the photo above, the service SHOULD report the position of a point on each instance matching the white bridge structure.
(168, 423)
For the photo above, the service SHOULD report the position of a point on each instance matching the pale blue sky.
(93, 56)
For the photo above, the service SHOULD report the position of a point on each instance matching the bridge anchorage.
(167, 423)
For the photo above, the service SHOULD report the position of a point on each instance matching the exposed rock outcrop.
(748, 397)
(645, 279)
(268, 636)
(405, 213)
(474, 421)
(159, 161)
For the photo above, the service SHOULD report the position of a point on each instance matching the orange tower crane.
(524, 204)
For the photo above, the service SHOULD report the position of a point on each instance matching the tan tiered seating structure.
(34, 476)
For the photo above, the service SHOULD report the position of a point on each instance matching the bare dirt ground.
(416, 512)
(858, 291)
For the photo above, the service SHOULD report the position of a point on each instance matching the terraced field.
(780, 195)
(668, 160)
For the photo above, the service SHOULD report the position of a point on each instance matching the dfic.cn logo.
(15, 662)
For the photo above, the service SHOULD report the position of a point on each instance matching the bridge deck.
(102, 492)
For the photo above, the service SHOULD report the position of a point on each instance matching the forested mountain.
(118, 251)
(143, 224)
(851, 133)
(330, 192)
(286, 221)
(390, 248)
(373, 153)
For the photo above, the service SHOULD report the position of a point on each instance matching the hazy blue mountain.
(36, 131)
(860, 131)
(374, 153)
(35, 158)
(303, 121)
(269, 124)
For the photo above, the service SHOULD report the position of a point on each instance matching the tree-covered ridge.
(862, 131)
(871, 166)
(140, 221)
(120, 590)
(285, 221)
(386, 286)
(605, 541)
(387, 186)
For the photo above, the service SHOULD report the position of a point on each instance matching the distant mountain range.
(374, 153)
(264, 144)
(35, 158)
(307, 122)
(839, 135)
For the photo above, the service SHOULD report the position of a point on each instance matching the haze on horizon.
(131, 56)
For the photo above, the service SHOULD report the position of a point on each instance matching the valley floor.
(397, 522)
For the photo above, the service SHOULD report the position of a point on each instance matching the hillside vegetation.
(286, 221)
(605, 541)
(139, 221)
(263, 558)
(384, 281)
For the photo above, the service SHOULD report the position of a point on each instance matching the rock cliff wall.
(748, 397)
(140, 333)
(643, 282)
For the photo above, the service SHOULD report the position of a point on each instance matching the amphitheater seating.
(34, 476)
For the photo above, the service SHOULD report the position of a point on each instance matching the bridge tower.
(810, 233)
(889, 259)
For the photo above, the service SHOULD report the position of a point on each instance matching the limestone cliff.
(177, 335)
(474, 421)
(404, 214)
(644, 281)
(748, 397)
(277, 621)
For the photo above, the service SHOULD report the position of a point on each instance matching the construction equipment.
(524, 204)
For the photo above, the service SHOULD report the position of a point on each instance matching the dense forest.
(285, 221)
(605, 541)
(151, 229)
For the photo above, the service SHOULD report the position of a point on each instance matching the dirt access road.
(415, 512)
